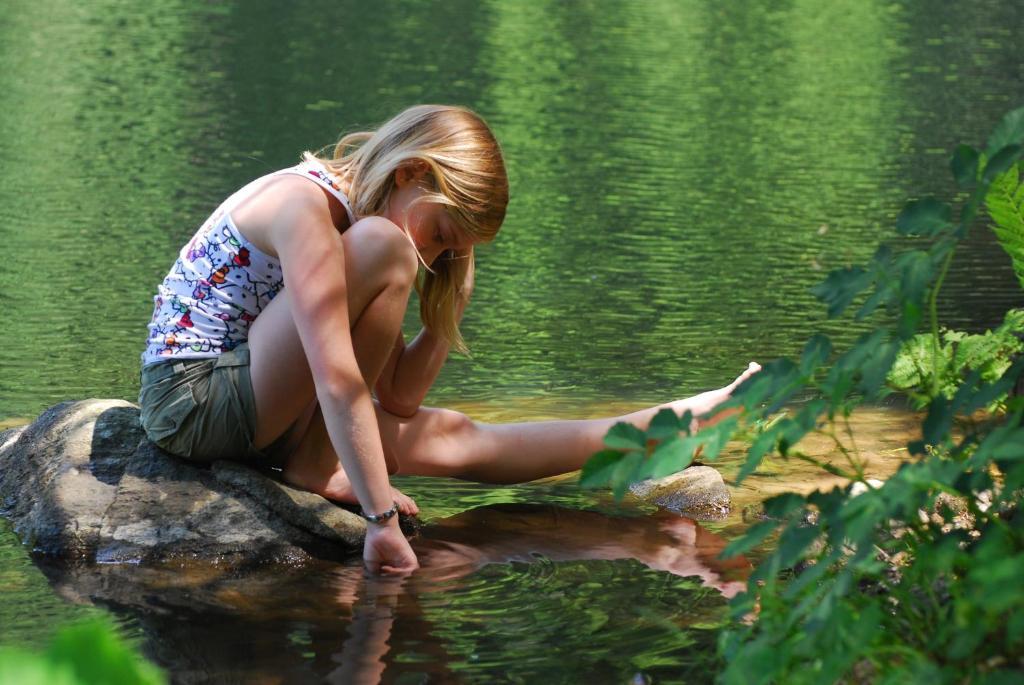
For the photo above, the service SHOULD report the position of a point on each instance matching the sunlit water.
(681, 173)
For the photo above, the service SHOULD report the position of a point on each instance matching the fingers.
(387, 552)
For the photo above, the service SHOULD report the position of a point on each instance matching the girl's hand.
(386, 551)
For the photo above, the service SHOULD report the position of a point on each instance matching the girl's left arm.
(412, 369)
(410, 372)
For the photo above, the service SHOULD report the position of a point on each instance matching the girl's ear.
(410, 171)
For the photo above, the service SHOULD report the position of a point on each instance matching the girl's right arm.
(312, 261)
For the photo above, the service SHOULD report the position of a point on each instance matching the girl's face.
(431, 226)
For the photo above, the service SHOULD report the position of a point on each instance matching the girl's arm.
(312, 262)
(412, 369)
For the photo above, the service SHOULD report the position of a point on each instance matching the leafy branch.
(890, 582)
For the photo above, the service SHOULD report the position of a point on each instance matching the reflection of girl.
(285, 310)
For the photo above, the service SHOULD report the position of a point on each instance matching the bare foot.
(337, 488)
(705, 403)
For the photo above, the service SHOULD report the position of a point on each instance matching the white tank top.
(220, 282)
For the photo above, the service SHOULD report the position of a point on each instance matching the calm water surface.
(681, 173)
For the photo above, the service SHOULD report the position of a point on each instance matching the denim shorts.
(205, 409)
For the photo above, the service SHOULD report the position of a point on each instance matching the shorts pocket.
(165, 418)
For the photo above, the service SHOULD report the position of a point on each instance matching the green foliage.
(882, 583)
(664, 448)
(88, 653)
(1005, 203)
(960, 354)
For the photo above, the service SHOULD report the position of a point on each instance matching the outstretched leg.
(440, 442)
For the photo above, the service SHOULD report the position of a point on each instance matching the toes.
(406, 505)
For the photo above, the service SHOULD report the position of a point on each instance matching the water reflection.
(498, 585)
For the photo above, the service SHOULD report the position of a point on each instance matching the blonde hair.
(465, 164)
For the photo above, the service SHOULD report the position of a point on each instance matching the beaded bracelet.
(380, 518)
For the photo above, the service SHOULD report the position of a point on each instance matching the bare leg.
(439, 442)
(442, 442)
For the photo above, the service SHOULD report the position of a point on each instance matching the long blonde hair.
(465, 164)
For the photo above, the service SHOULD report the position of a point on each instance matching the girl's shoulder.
(282, 197)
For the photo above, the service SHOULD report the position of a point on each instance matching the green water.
(681, 171)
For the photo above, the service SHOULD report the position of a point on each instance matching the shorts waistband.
(160, 370)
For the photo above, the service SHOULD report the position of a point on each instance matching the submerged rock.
(84, 483)
(699, 492)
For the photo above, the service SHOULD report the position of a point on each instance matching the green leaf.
(916, 274)
(969, 211)
(1008, 131)
(871, 357)
(804, 422)
(671, 456)
(964, 165)
(623, 473)
(625, 436)
(939, 421)
(715, 437)
(1002, 161)
(794, 542)
(1005, 204)
(884, 294)
(754, 536)
(664, 425)
(987, 394)
(816, 351)
(1004, 443)
(99, 656)
(762, 445)
(840, 288)
(781, 506)
(924, 217)
(813, 574)
(597, 471)
(910, 319)
(875, 367)
(755, 390)
(786, 382)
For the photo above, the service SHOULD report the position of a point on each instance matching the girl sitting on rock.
(276, 336)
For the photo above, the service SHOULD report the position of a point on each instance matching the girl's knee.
(435, 443)
(375, 247)
(454, 425)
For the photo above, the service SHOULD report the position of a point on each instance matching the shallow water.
(681, 173)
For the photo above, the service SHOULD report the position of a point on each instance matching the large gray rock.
(84, 483)
(698, 492)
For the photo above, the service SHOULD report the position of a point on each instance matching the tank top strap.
(318, 173)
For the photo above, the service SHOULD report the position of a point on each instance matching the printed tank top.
(220, 282)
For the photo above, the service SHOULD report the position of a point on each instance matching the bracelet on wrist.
(380, 518)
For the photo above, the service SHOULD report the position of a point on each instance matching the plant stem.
(933, 312)
(823, 465)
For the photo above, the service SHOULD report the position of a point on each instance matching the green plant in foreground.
(960, 354)
(893, 588)
(1005, 201)
(88, 653)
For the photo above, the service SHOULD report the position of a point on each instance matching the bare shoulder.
(266, 217)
